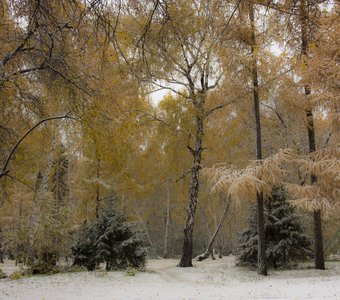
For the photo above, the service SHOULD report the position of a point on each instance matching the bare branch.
(210, 87)
(183, 176)
(5, 171)
(217, 107)
(23, 183)
(155, 118)
(21, 48)
(276, 113)
(22, 72)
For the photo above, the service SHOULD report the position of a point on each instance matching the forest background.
(94, 65)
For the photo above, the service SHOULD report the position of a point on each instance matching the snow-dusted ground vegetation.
(219, 279)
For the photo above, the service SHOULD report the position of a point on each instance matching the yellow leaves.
(244, 34)
(311, 45)
(304, 66)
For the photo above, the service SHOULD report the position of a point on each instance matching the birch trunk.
(1, 249)
(186, 259)
(41, 189)
(167, 221)
(18, 256)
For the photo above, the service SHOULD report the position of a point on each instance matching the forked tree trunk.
(262, 261)
(318, 240)
(167, 221)
(186, 259)
(209, 250)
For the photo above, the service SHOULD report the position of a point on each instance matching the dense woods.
(178, 116)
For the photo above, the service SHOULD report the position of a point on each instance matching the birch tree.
(186, 37)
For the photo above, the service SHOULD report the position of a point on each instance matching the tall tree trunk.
(209, 249)
(97, 189)
(262, 262)
(186, 259)
(41, 188)
(19, 248)
(167, 221)
(1, 249)
(318, 240)
(220, 249)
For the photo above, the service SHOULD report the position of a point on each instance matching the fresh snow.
(219, 279)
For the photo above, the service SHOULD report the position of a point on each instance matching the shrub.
(41, 267)
(16, 275)
(2, 274)
(131, 271)
(112, 240)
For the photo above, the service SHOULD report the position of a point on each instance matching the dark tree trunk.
(109, 265)
(318, 240)
(319, 262)
(284, 258)
(220, 250)
(97, 189)
(274, 264)
(319, 258)
(186, 259)
(261, 257)
(262, 262)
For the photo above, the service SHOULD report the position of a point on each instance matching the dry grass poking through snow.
(219, 279)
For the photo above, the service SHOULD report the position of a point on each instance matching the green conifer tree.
(112, 240)
(284, 234)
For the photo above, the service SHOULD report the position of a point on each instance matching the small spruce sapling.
(112, 240)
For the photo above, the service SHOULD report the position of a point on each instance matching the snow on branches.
(261, 176)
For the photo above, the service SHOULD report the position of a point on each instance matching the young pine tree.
(284, 234)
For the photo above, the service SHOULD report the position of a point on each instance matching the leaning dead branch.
(209, 250)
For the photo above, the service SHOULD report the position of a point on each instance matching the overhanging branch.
(4, 170)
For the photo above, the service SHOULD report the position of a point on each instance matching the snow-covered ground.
(219, 279)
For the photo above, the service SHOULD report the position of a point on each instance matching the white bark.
(167, 221)
(42, 189)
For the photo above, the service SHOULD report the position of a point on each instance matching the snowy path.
(218, 279)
